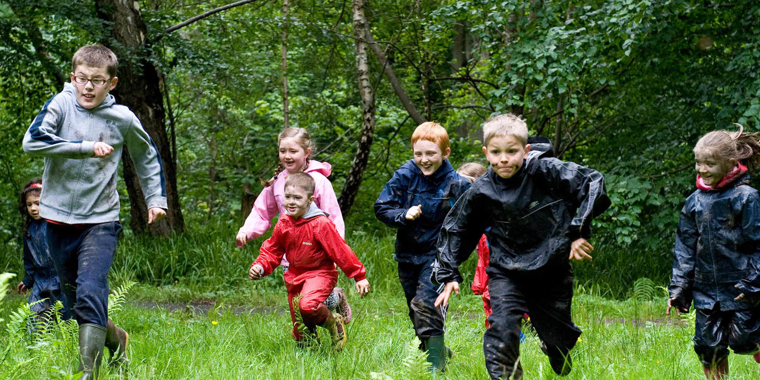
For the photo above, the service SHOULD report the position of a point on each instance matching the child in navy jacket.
(716, 256)
(415, 201)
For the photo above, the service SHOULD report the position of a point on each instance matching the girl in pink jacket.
(295, 146)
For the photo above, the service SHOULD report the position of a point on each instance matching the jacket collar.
(69, 89)
(442, 171)
(310, 214)
(737, 176)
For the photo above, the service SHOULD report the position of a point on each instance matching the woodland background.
(626, 87)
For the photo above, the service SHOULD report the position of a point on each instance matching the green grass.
(622, 340)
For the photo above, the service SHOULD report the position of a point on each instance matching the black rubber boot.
(561, 362)
(117, 341)
(92, 338)
(437, 353)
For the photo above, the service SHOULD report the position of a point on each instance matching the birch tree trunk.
(359, 164)
(285, 110)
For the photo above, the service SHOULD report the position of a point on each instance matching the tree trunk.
(402, 96)
(139, 89)
(359, 164)
(285, 110)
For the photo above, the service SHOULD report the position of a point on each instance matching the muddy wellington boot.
(437, 353)
(92, 338)
(117, 341)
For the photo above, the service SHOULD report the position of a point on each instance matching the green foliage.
(117, 297)
(644, 289)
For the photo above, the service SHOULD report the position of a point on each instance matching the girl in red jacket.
(313, 247)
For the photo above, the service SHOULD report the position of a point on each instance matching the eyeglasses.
(97, 82)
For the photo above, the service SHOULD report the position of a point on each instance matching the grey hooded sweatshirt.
(80, 189)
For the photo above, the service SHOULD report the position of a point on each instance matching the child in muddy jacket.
(415, 201)
(717, 252)
(313, 247)
(536, 213)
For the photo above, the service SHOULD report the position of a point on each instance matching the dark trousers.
(544, 294)
(421, 294)
(716, 330)
(83, 257)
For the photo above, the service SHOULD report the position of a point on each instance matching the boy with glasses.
(81, 132)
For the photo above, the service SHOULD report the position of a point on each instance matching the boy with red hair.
(415, 201)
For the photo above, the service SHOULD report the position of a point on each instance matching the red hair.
(432, 131)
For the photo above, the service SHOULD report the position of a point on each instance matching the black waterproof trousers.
(546, 295)
(420, 295)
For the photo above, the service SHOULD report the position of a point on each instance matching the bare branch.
(201, 17)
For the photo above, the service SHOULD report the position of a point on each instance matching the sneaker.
(343, 307)
(337, 329)
(561, 364)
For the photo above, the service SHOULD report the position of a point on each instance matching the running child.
(716, 262)
(81, 133)
(295, 147)
(415, 201)
(41, 277)
(539, 212)
(313, 246)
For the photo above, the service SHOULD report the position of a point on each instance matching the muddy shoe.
(561, 363)
(343, 307)
(337, 328)
(756, 357)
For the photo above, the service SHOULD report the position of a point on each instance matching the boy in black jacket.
(539, 211)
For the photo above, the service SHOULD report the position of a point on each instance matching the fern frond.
(118, 296)
(644, 289)
(415, 364)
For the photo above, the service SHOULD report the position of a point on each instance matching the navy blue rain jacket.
(533, 216)
(437, 193)
(717, 248)
(41, 277)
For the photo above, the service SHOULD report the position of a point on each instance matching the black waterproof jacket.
(718, 247)
(436, 193)
(533, 216)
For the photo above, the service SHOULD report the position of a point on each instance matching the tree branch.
(201, 17)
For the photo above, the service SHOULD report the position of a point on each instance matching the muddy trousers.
(313, 292)
(82, 256)
(544, 294)
(421, 294)
(715, 331)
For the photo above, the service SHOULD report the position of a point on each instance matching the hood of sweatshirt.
(311, 213)
(319, 167)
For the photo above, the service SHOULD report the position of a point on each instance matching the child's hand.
(241, 239)
(362, 287)
(443, 298)
(155, 214)
(21, 288)
(580, 249)
(101, 149)
(414, 212)
(256, 272)
(679, 309)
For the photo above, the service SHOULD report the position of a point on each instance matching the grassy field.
(176, 336)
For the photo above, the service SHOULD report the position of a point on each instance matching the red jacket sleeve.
(329, 239)
(272, 251)
(480, 282)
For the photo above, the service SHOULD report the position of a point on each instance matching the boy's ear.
(311, 198)
(485, 150)
(447, 153)
(114, 80)
(527, 148)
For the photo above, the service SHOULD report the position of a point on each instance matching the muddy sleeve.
(340, 253)
(390, 206)
(750, 286)
(148, 164)
(43, 136)
(684, 254)
(28, 267)
(460, 233)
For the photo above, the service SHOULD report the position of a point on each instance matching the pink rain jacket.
(271, 201)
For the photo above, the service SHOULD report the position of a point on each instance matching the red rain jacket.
(313, 246)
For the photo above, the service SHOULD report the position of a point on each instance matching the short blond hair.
(505, 125)
(432, 131)
(95, 56)
(471, 170)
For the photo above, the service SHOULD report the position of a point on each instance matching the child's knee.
(308, 306)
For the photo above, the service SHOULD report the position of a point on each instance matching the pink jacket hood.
(270, 202)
